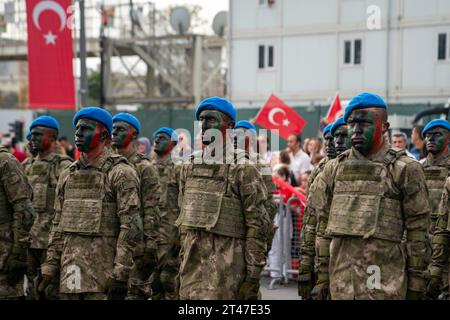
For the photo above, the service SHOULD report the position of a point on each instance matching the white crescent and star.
(42, 6)
(273, 112)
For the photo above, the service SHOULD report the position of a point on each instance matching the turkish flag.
(278, 115)
(336, 111)
(50, 55)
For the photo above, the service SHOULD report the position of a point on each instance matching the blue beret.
(217, 103)
(128, 118)
(436, 123)
(339, 122)
(45, 121)
(246, 125)
(327, 129)
(363, 101)
(96, 114)
(169, 131)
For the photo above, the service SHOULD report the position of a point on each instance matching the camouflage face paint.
(342, 139)
(365, 130)
(41, 139)
(212, 119)
(436, 140)
(87, 134)
(122, 134)
(329, 145)
(162, 144)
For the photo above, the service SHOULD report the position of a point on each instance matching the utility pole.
(132, 19)
(83, 72)
(102, 59)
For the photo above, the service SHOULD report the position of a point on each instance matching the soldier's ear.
(105, 135)
(386, 126)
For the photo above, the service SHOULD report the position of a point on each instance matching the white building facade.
(305, 51)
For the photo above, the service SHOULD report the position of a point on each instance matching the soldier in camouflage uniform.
(43, 172)
(223, 220)
(27, 162)
(126, 129)
(330, 154)
(97, 220)
(436, 165)
(339, 143)
(441, 246)
(245, 133)
(16, 219)
(164, 278)
(366, 200)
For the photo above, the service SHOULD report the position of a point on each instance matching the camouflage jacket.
(441, 235)
(88, 244)
(43, 175)
(246, 184)
(16, 211)
(436, 172)
(168, 233)
(150, 192)
(405, 182)
(309, 224)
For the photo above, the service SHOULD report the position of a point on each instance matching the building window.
(357, 55)
(266, 2)
(270, 58)
(442, 46)
(266, 56)
(261, 50)
(353, 51)
(347, 52)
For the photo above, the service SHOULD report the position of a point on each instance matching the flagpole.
(259, 111)
(83, 73)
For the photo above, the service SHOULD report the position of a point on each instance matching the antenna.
(220, 23)
(180, 19)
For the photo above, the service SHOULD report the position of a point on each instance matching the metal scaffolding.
(141, 64)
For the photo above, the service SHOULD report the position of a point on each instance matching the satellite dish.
(220, 23)
(180, 19)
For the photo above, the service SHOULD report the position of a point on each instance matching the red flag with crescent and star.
(277, 115)
(336, 111)
(50, 54)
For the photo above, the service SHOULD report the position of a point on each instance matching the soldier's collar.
(376, 157)
(440, 160)
(48, 157)
(97, 163)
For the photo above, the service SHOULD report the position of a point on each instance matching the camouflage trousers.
(367, 269)
(138, 284)
(10, 292)
(164, 280)
(212, 266)
(36, 257)
(83, 296)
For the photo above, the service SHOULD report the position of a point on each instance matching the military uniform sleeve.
(254, 194)
(308, 236)
(63, 164)
(125, 184)
(151, 195)
(441, 236)
(55, 241)
(320, 203)
(416, 212)
(19, 193)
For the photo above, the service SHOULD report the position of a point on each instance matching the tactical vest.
(209, 205)
(87, 208)
(363, 202)
(43, 180)
(435, 177)
(6, 209)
